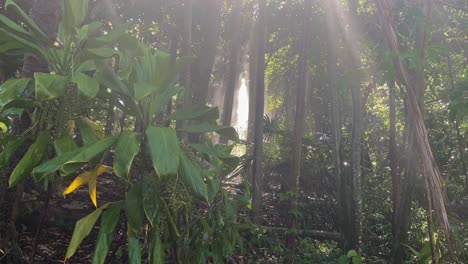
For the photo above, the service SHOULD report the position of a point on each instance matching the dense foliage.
(123, 96)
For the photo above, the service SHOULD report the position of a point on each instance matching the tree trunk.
(45, 13)
(209, 26)
(460, 139)
(296, 150)
(232, 70)
(186, 47)
(332, 40)
(354, 240)
(257, 169)
(392, 153)
(252, 83)
(430, 169)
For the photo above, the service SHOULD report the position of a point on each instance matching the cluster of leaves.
(173, 189)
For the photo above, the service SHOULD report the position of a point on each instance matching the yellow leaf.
(89, 178)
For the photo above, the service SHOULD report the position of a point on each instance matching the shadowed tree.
(354, 241)
(332, 71)
(431, 174)
(233, 59)
(257, 169)
(298, 133)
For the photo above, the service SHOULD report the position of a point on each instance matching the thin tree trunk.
(356, 134)
(298, 132)
(186, 47)
(252, 83)
(233, 62)
(392, 156)
(457, 125)
(257, 169)
(332, 39)
(209, 26)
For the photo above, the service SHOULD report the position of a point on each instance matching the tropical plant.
(174, 200)
(352, 257)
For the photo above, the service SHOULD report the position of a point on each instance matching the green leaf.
(128, 146)
(143, 89)
(9, 150)
(35, 154)
(28, 21)
(356, 260)
(134, 251)
(164, 98)
(150, 201)
(87, 85)
(134, 208)
(343, 259)
(107, 77)
(87, 65)
(77, 10)
(100, 52)
(72, 161)
(86, 154)
(11, 90)
(162, 62)
(82, 229)
(31, 46)
(14, 28)
(156, 252)
(164, 150)
(352, 253)
(225, 131)
(54, 164)
(110, 219)
(88, 131)
(49, 86)
(64, 144)
(197, 113)
(114, 34)
(191, 174)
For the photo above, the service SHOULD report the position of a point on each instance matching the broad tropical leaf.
(11, 90)
(134, 250)
(225, 131)
(10, 149)
(156, 250)
(82, 229)
(86, 85)
(134, 208)
(89, 178)
(110, 219)
(28, 21)
(150, 200)
(86, 154)
(89, 131)
(128, 146)
(197, 113)
(71, 161)
(191, 174)
(35, 154)
(49, 86)
(164, 150)
(64, 144)
(143, 89)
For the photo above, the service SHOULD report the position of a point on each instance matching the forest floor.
(59, 222)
